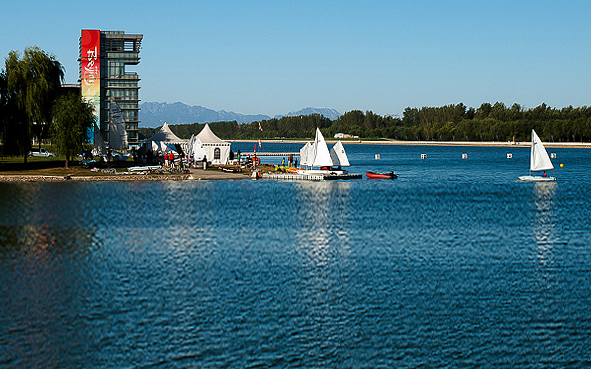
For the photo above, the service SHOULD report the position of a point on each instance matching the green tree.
(72, 118)
(32, 84)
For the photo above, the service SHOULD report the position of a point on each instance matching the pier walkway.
(311, 177)
(243, 154)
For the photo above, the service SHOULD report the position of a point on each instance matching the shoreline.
(567, 145)
(200, 174)
(194, 175)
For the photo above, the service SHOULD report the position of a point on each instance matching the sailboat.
(317, 154)
(99, 142)
(117, 131)
(539, 161)
(338, 155)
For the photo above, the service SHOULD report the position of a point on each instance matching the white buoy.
(464, 156)
(509, 155)
(377, 156)
(423, 156)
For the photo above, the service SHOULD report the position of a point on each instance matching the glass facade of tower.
(118, 50)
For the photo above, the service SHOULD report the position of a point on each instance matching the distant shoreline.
(569, 145)
(199, 174)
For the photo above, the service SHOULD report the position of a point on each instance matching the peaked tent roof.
(208, 137)
(166, 135)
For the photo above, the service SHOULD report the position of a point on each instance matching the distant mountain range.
(154, 114)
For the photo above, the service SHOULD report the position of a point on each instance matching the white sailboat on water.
(339, 156)
(317, 154)
(539, 161)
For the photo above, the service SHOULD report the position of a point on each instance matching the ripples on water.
(454, 264)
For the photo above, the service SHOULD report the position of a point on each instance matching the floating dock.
(259, 154)
(311, 177)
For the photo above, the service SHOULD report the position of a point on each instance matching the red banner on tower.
(90, 68)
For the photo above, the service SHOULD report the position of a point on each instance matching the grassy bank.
(11, 165)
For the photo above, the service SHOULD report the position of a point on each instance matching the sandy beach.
(569, 145)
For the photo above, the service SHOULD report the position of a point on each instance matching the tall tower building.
(104, 56)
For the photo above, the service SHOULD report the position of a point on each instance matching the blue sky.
(272, 57)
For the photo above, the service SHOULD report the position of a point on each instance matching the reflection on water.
(323, 217)
(545, 223)
(459, 266)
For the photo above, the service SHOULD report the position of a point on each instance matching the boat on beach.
(539, 161)
(373, 175)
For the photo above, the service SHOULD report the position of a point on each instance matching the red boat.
(390, 175)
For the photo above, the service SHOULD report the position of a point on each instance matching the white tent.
(217, 150)
(166, 135)
(159, 142)
(195, 148)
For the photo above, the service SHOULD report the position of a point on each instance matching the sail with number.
(338, 155)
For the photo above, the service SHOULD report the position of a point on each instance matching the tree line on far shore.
(454, 122)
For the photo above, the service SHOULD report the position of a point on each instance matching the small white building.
(217, 150)
(344, 135)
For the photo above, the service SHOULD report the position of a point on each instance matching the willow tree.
(72, 119)
(32, 83)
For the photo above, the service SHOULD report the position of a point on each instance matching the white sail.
(117, 131)
(311, 154)
(99, 143)
(305, 154)
(539, 159)
(321, 155)
(338, 155)
(190, 145)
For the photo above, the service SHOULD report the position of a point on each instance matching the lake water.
(454, 264)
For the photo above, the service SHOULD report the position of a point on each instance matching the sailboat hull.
(537, 178)
(321, 172)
